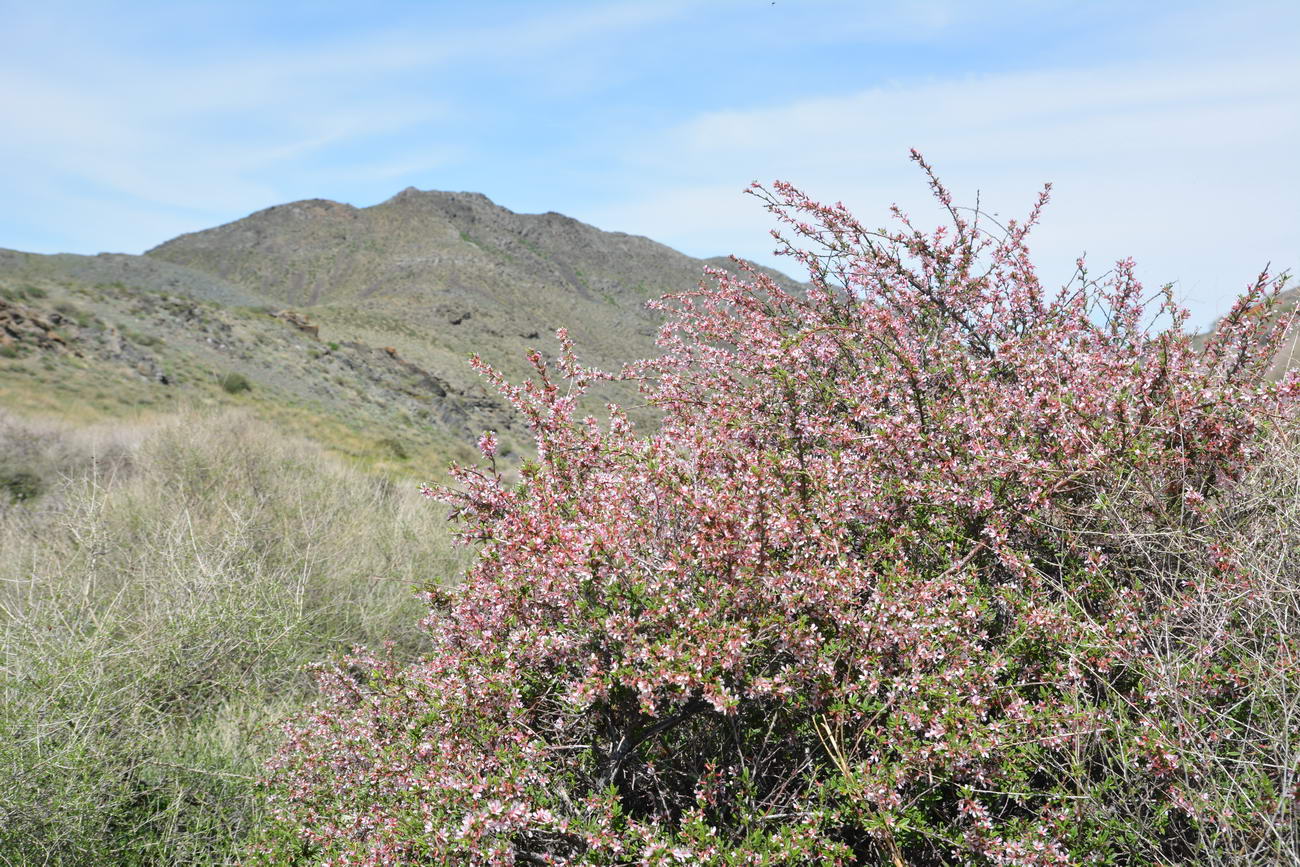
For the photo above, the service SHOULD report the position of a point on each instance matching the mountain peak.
(309, 207)
(414, 193)
(454, 262)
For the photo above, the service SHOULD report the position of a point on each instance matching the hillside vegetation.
(95, 352)
(350, 326)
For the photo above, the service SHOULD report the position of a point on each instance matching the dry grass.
(160, 594)
(164, 585)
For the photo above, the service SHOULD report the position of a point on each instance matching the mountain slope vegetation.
(351, 326)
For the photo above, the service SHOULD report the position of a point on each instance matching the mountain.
(442, 275)
(352, 325)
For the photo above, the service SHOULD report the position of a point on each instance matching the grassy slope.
(130, 353)
(161, 587)
(433, 277)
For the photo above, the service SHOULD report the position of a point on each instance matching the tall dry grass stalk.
(161, 590)
(1232, 754)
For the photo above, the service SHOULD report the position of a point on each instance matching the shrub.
(393, 447)
(21, 293)
(74, 313)
(36, 458)
(234, 383)
(925, 565)
(141, 339)
(20, 484)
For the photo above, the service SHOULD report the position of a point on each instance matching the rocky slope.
(353, 325)
(442, 275)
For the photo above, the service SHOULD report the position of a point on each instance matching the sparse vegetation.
(22, 293)
(74, 313)
(142, 339)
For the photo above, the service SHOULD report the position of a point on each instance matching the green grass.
(22, 293)
(160, 594)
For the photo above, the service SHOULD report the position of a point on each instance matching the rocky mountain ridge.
(351, 322)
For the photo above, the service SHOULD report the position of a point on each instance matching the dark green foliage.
(235, 383)
(20, 485)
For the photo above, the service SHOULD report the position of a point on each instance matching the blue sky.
(1171, 131)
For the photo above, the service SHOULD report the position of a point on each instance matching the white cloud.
(90, 119)
(166, 145)
(1190, 167)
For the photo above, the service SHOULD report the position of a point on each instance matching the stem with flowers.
(906, 574)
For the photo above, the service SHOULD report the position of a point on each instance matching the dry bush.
(36, 456)
(1221, 668)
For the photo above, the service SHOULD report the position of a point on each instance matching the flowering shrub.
(880, 588)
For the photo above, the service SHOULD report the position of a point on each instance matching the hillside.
(350, 325)
(442, 275)
(94, 351)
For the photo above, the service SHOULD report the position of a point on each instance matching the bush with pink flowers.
(925, 564)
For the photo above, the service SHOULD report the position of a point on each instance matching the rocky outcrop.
(297, 320)
(22, 326)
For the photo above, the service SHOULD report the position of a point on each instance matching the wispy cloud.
(1189, 166)
(205, 135)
